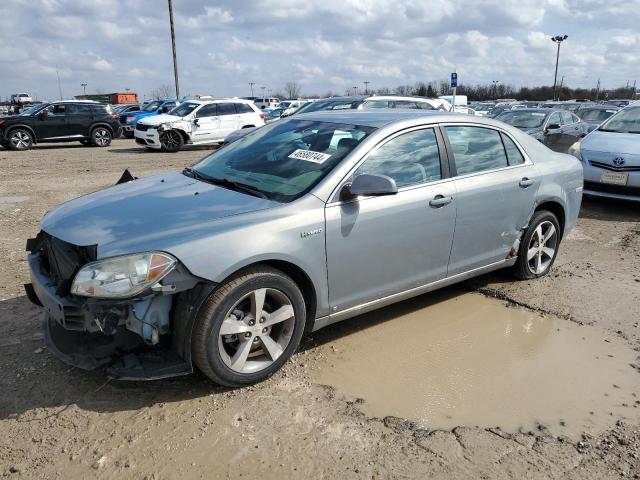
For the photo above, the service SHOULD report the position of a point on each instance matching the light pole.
(173, 47)
(495, 88)
(251, 84)
(355, 90)
(366, 87)
(262, 88)
(84, 88)
(558, 39)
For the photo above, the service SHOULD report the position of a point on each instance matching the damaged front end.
(135, 325)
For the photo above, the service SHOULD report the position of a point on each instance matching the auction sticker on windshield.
(310, 156)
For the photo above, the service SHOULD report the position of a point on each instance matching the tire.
(242, 357)
(19, 139)
(171, 141)
(100, 137)
(535, 260)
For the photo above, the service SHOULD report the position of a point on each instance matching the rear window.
(476, 149)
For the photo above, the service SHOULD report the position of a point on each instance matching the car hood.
(598, 141)
(162, 118)
(147, 214)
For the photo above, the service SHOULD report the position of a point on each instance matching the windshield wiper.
(223, 182)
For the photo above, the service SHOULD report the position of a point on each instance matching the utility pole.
(251, 84)
(558, 39)
(366, 87)
(633, 92)
(84, 88)
(59, 87)
(173, 47)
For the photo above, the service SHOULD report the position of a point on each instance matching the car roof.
(379, 118)
(538, 110)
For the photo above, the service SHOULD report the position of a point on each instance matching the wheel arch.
(101, 124)
(29, 129)
(557, 209)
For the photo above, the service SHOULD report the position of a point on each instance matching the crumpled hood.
(158, 119)
(150, 213)
(598, 141)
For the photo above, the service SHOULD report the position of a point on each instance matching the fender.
(5, 136)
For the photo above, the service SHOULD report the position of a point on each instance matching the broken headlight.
(122, 277)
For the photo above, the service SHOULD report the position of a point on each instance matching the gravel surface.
(60, 422)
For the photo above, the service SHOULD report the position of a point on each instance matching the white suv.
(197, 122)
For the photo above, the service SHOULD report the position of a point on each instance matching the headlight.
(575, 151)
(122, 277)
(131, 119)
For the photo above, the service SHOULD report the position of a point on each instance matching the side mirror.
(553, 126)
(195, 120)
(369, 185)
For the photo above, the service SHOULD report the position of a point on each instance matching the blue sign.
(454, 79)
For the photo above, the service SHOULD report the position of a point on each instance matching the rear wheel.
(19, 139)
(171, 141)
(249, 327)
(539, 246)
(100, 137)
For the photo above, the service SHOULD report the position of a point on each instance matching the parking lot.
(557, 358)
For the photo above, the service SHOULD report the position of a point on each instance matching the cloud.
(333, 44)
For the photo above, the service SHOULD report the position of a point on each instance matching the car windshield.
(595, 115)
(32, 109)
(626, 120)
(522, 119)
(283, 161)
(152, 107)
(184, 109)
(329, 104)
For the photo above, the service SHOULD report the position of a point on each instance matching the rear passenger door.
(495, 188)
(79, 118)
(229, 119)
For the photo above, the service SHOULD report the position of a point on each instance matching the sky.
(323, 46)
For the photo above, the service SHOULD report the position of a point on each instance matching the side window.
(476, 149)
(567, 118)
(410, 159)
(226, 109)
(554, 119)
(513, 152)
(78, 109)
(57, 109)
(208, 111)
(375, 104)
(243, 108)
(405, 104)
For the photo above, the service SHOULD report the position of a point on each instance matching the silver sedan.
(295, 226)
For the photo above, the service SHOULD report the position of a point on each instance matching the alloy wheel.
(256, 330)
(170, 140)
(20, 140)
(101, 137)
(542, 247)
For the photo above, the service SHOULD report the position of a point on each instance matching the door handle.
(526, 182)
(440, 201)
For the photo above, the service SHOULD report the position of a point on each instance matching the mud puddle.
(453, 358)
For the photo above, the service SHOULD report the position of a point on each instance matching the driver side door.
(206, 124)
(52, 123)
(553, 136)
(382, 245)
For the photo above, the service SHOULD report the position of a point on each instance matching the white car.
(413, 103)
(197, 123)
(21, 98)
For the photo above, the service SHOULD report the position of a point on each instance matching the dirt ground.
(60, 422)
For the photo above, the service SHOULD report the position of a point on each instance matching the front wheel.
(249, 327)
(100, 137)
(539, 246)
(171, 141)
(19, 139)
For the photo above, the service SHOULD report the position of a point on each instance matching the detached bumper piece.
(123, 356)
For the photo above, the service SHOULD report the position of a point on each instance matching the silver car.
(298, 225)
(610, 156)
